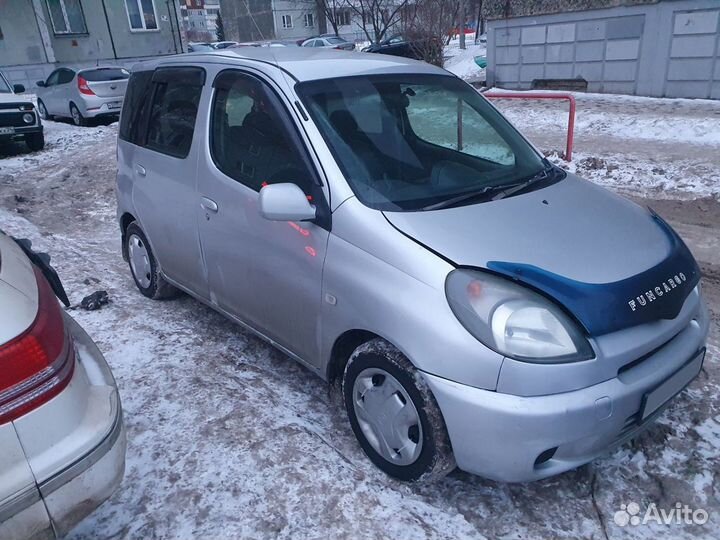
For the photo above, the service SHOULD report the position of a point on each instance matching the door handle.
(140, 170)
(208, 204)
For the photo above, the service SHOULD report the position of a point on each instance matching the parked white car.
(18, 119)
(62, 440)
(80, 95)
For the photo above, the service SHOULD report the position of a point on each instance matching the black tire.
(76, 116)
(35, 141)
(436, 458)
(158, 288)
(43, 111)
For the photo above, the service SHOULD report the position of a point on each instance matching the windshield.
(409, 142)
(4, 86)
(335, 40)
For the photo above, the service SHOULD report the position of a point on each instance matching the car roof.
(305, 64)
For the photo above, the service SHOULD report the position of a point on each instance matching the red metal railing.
(539, 95)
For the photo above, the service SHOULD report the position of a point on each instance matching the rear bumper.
(92, 107)
(75, 444)
(514, 438)
(78, 490)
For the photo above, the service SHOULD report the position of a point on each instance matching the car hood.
(6, 97)
(593, 251)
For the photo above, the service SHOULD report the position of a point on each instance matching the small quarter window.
(137, 101)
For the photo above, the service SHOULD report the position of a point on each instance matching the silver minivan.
(382, 223)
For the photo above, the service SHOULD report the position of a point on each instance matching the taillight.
(83, 86)
(37, 365)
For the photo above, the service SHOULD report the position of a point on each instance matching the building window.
(141, 14)
(343, 17)
(66, 16)
(309, 20)
(287, 21)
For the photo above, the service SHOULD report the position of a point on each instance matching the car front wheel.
(35, 141)
(43, 111)
(144, 267)
(394, 415)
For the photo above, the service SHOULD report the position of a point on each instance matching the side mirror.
(285, 202)
(41, 84)
(18, 88)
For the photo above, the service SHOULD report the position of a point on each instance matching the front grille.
(18, 106)
(15, 119)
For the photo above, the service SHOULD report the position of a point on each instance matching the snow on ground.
(228, 438)
(661, 148)
(462, 62)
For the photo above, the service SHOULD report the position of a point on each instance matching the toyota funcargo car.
(18, 117)
(62, 441)
(379, 221)
(80, 95)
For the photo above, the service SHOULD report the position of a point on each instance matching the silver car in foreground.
(379, 221)
(81, 95)
(62, 440)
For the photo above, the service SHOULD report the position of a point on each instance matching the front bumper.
(75, 444)
(514, 438)
(20, 132)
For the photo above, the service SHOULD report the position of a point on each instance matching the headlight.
(513, 320)
(28, 118)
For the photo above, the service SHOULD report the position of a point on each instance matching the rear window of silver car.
(105, 74)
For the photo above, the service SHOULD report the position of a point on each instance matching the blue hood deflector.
(657, 293)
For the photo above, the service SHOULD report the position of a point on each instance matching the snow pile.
(462, 62)
(660, 148)
(628, 117)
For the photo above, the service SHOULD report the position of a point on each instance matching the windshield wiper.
(464, 197)
(513, 189)
(495, 193)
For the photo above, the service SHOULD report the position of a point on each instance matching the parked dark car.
(422, 48)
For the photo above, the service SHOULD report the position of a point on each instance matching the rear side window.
(171, 123)
(137, 100)
(65, 76)
(105, 74)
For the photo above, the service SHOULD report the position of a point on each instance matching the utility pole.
(462, 24)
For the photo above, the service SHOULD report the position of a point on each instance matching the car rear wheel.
(144, 267)
(77, 117)
(43, 111)
(35, 141)
(394, 415)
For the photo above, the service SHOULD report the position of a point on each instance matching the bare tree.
(378, 16)
(428, 24)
